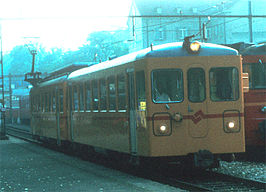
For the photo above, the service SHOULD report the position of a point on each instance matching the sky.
(59, 23)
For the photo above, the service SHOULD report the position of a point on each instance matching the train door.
(70, 113)
(132, 112)
(61, 120)
(57, 112)
(197, 105)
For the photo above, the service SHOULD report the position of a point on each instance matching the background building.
(231, 21)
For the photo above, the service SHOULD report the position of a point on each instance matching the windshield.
(224, 84)
(167, 85)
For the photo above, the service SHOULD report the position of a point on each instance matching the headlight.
(231, 125)
(163, 128)
(195, 47)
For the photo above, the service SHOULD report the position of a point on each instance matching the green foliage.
(107, 44)
(100, 46)
(18, 61)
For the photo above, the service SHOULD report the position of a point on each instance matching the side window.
(95, 95)
(39, 107)
(196, 85)
(112, 93)
(81, 98)
(103, 94)
(88, 96)
(43, 102)
(259, 77)
(167, 86)
(224, 85)
(53, 102)
(61, 101)
(49, 101)
(121, 81)
(33, 103)
(38, 100)
(46, 102)
(75, 98)
(140, 86)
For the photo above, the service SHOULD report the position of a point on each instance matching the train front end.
(194, 105)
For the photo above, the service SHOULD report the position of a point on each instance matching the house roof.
(177, 7)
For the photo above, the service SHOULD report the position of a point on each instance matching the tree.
(100, 46)
(106, 44)
(18, 61)
(49, 61)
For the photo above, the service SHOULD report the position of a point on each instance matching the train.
(254, 63)
(176, 102)
(20, 112)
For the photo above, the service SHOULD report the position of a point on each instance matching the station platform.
(20, 126)
(28, 167)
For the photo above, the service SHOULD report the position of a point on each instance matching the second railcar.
(167, 102)
(254, 63)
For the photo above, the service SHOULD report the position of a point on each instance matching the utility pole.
(10, 99)
(3, 126)
(250, 22)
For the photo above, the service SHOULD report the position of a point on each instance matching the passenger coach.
(254, 63)
(167, 102)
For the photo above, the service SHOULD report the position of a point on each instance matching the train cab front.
(196, 106)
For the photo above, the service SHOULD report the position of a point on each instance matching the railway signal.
(32, 77)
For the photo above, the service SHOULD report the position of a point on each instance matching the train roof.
(165, 50)
(259, 49)
(67, 69)
(60, 75)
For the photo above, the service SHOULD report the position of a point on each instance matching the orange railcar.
(167, 102)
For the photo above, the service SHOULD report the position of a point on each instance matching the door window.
(196, 85)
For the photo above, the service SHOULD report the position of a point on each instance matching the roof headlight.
(195, 47)
(231, 125)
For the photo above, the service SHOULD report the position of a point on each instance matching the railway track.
(211, 181)
(19, 133)
(199, 181)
